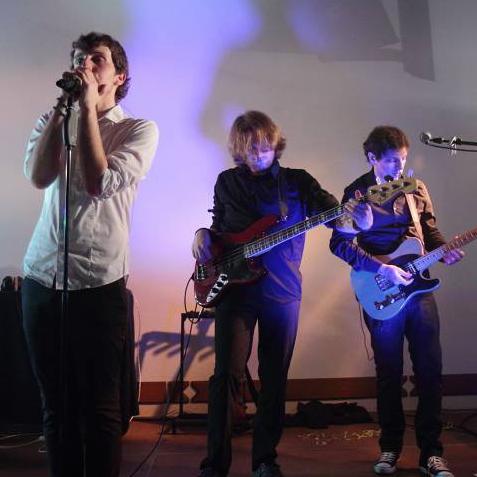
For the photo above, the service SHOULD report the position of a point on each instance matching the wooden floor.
(333, 452)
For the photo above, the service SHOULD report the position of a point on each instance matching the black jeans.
(235, 319)
(419, 323)
(96, 333)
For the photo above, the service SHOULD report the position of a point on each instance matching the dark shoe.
(436, 467)
(267, 470)
(386, 464)
(209, 472)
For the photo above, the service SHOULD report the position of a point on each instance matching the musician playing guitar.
(258, 186)
(410, 215)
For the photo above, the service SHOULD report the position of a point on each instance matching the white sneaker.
(436, 467)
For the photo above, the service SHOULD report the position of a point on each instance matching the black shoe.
(267, 470)
(386, 464)
(436, 467)
(209, 472)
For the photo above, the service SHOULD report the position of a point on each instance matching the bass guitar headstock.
(382, 193)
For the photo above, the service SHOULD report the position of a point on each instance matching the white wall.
(327, 72)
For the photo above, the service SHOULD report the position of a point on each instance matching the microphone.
(70, 83)
(426, 138)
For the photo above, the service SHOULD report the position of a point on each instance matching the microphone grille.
(425, 137)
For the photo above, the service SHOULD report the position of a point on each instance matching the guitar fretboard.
(424, 262)
(261, 245)
(378, 194)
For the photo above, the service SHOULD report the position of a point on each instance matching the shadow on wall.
(198, 346)
(346, 30)
(334, 30)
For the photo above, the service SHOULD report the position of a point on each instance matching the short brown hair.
(91, 40)
(383, 138)
(251, 129)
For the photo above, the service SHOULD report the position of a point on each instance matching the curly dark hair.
(93, 39)
(252, 129)
(383, 138)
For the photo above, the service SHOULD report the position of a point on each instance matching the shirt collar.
(115, 114)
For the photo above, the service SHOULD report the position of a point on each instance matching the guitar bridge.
(390, 299)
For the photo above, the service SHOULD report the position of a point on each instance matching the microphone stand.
(452, 144)
(63, 385)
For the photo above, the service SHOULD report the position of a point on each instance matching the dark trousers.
(90, 425)
(235, 320)
(419, 323)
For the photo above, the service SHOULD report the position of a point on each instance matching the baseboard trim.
(307, 389)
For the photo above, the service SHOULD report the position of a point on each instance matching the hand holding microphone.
(81, 84)
(70, 83)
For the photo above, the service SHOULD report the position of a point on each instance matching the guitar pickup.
(383, 283)
(201, 272)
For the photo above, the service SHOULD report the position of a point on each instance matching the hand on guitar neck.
(358, 212)
(453, 256)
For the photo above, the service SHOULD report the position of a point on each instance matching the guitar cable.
(16, 441)
(363, 332)
(167, 404)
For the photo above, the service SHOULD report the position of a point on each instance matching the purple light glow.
(173, 71)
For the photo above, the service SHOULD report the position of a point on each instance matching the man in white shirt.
(113, 153)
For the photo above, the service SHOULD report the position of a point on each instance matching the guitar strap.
(282, 194)
(411, 203)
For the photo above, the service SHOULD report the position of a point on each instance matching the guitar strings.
(459, 241)
(423, 262)
(239, 252)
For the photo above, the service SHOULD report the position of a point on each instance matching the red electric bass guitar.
(236, 256)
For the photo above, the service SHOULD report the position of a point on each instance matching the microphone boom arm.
(452, 144)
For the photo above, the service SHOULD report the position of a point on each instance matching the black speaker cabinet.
(20, 406)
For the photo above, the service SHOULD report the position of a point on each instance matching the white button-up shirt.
(99, 226)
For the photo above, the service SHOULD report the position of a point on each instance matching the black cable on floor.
(170, 396)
